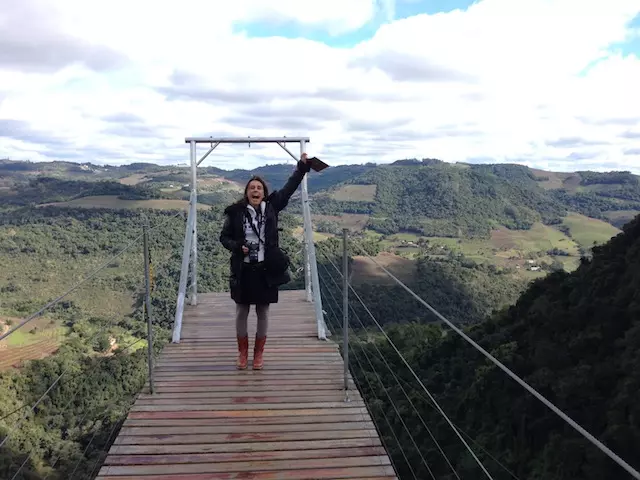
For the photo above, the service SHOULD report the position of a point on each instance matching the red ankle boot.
(258, 352)
(243, 352)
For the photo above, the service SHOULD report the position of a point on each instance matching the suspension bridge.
(303, 416)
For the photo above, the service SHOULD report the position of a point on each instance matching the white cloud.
(510, 81)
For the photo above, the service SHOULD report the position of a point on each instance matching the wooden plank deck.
(209, 421)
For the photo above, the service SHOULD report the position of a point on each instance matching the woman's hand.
(245, 250)
(303, 158)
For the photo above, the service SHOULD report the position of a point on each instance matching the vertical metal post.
(194, 238)
(184, 273)
(147, 299)
(307, 234)
(345, 307)
(312, 266)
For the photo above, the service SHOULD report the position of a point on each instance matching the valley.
(491, 247)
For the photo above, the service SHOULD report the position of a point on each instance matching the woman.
(258, 266)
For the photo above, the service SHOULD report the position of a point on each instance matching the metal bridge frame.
(190, 248)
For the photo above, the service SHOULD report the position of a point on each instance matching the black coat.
(263, 286)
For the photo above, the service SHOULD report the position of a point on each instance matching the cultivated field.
(539, 238)
(355, 193)
(556, 180)
(112, 201)
(317, 236)
(352, 221)
(38, 339)
(208, 183)
(364, 271)
(134, 179)
(588, 231)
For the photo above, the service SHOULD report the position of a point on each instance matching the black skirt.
(254, 289)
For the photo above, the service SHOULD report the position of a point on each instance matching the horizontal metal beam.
(246, 139)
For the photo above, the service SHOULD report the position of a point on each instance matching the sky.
(553, 84)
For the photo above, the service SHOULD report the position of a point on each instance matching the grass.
(35, 281)
(407, 237)
(134, 179)
(23, 345)
(364, 271)
(352, 221)
(556, 180)
(539, 238)
(213, 183)
(108, 294)
(112, 201)
(355, 193)
(588, 231)
(511, 248)
(317, 236)
(621, 217)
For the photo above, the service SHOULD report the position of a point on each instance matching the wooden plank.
(207, 420)
(255, 406)
(203, 429)
(315, 420)
(155, 449)
(243, 456)
(217, 413)
(245, 399)
(242, 437)
(233, 393)
(243, 466)
(306, 474)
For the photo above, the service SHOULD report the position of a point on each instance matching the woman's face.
(255, 193)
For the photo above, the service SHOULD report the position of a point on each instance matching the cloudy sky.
(549, 83)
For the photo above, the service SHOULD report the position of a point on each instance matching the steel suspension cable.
(358, 385)
(428, 401)
(422, 385)
(135, 241)
(601, 446)
(395, 408)
(382, 357)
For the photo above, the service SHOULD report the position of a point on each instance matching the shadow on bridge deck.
(207, 420)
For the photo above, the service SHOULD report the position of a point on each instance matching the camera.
(253, 252)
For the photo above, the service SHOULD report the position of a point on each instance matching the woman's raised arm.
(280, 198)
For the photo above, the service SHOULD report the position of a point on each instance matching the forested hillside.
(469, 239)
(95, 337)
(574, 337)
(441, 199)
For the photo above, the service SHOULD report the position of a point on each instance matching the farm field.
(355, 193)
(317, 236)
(108, 294)
(352, 221)
(621, 217)
(364, 271)
(38, 339)
(112, 201)
(588, 231)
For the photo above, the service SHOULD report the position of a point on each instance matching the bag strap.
(253, 227)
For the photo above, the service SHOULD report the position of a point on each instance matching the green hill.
(574, 337)
(506, 215)
(442, 199)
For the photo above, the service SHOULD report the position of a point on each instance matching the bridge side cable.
(94, 273)
(603, 448)
(433, 402)
(422, 385)
(72, 371)
(400, 381)
(397, 380)
(391, 402)
(368, 405)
